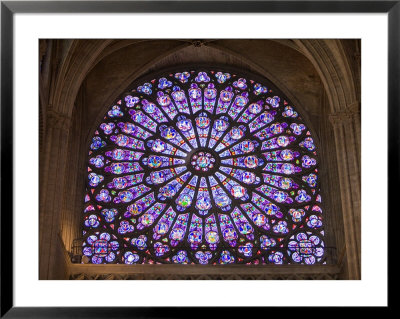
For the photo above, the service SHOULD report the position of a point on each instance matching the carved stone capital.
(351, 113)
(58, 120)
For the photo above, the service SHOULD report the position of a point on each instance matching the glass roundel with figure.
(203, 167)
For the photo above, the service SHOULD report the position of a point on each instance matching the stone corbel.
(352, 112)
(58, 120)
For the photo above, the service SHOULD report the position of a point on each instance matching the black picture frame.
(9, 8)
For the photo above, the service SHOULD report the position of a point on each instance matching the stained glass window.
(203, 167)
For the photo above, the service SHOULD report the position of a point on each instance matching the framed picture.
(172, 140)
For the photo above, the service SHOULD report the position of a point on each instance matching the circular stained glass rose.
(207, 167)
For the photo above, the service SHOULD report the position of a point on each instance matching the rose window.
(204, 167)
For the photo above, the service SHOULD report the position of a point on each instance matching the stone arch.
(79, 57)
(329, 59)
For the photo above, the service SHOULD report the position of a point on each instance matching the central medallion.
(202, 161)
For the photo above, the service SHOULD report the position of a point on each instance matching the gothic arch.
(79, 57)
(331, 62)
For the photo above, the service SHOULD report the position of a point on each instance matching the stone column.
(347, 129)
(52, 175)
(75, 181)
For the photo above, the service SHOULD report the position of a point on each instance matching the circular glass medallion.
(202, 161)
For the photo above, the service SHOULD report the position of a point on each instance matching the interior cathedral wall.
(79, 79)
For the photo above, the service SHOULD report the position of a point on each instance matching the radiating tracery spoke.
(203, 167)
